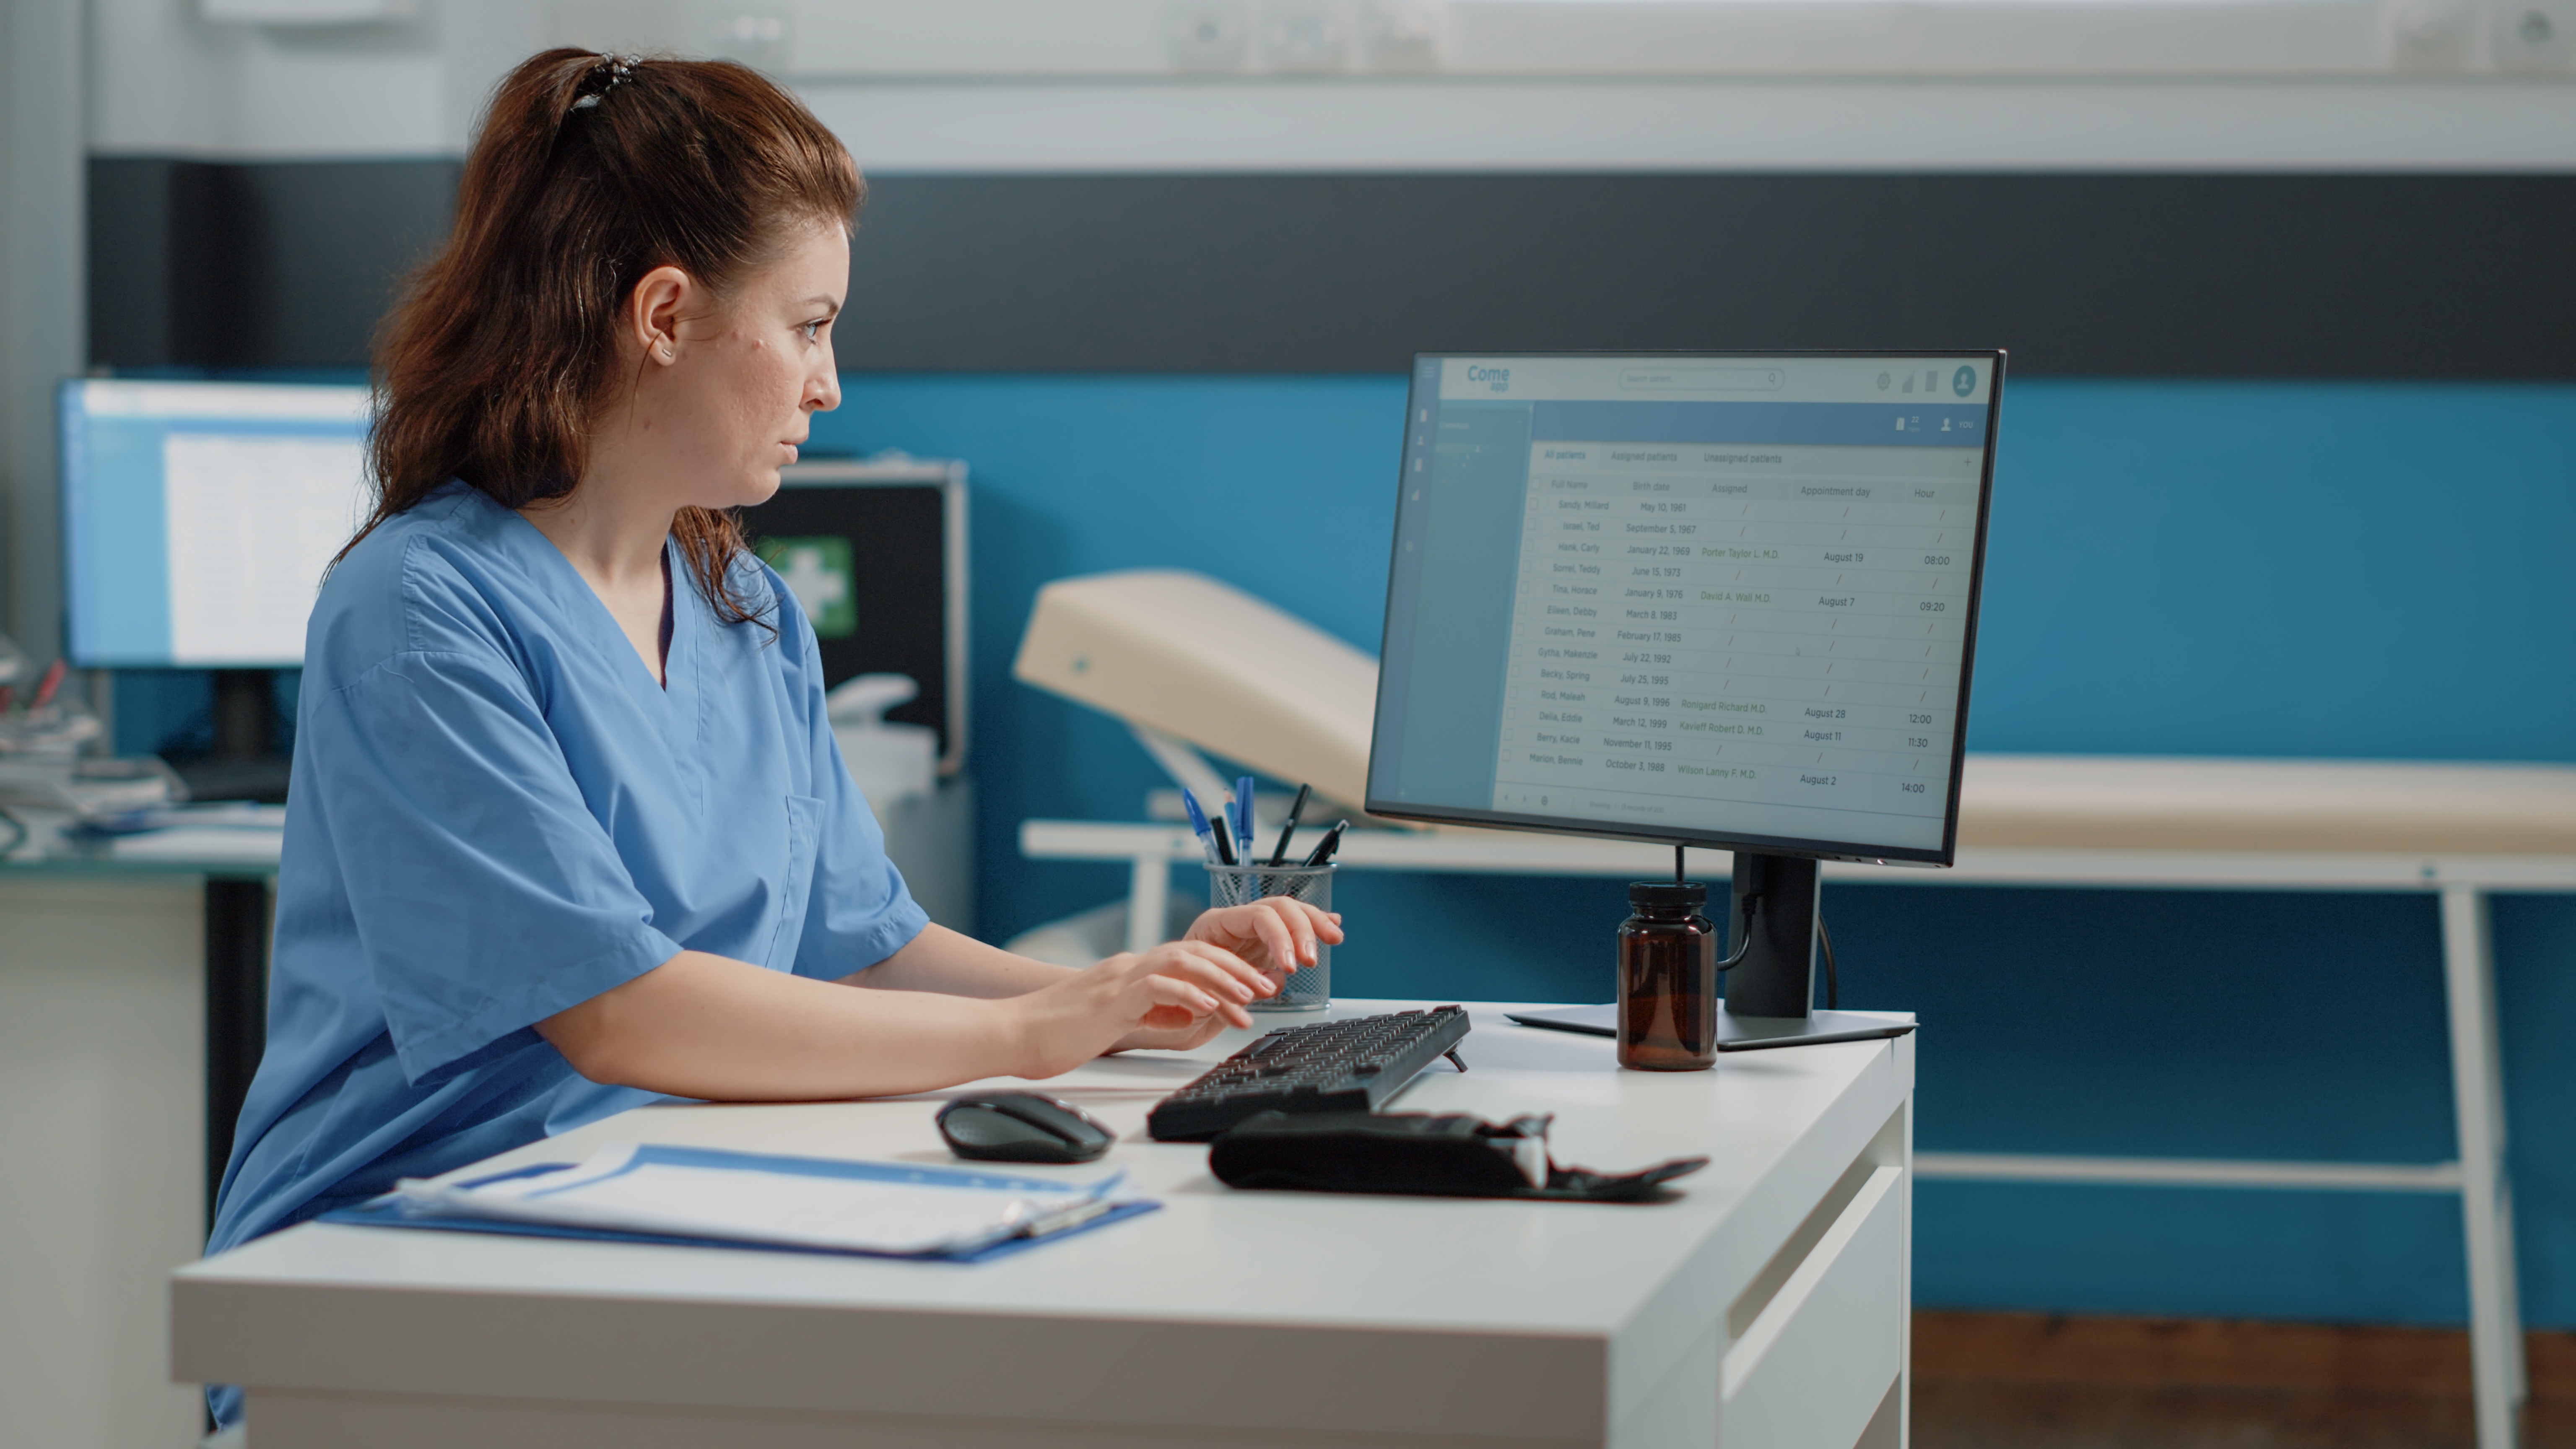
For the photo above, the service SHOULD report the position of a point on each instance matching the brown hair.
(589, 172)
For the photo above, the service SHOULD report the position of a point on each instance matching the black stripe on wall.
(2104, 275)
(287, 264)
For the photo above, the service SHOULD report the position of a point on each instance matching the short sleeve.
(860, 911)
(487, 896)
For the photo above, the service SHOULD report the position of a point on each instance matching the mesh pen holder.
(1310, 989)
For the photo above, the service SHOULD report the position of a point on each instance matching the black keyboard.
(1329, 1066)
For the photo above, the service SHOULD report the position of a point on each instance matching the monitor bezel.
(1812, 849)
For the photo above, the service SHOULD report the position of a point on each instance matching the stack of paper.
(702, 1195)
(230, 832)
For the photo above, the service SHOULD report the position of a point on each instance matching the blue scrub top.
(496, 814)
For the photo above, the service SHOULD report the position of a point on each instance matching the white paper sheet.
(804, 1202)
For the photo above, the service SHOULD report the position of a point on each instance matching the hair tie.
(621, 68)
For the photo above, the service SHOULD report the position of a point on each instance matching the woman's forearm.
(943, 1010)
(701, 1025)
(943, 960)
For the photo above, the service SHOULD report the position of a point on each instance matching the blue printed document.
(701, 1195)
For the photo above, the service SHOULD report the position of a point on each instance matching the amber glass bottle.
(1667, 979)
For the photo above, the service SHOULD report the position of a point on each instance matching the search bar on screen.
(1702, 379)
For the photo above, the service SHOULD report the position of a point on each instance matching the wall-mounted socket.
(1208, 36)
(2429, 35)
(1305, 39)
(2533, 36)
(1406, 36)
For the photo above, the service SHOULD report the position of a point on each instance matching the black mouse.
(1022, 1127)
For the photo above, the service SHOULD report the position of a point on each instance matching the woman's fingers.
(1302, 921)
(1227, 972)
(1288, 932)
(1270, 928)
(1196, 987)
(1235, 968)
(1173, 991)
(1170, 1003)
(1308, 928)
(1201, 978)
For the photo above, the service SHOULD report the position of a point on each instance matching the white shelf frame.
(2464, 883)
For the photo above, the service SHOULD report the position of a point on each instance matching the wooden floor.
(2032, 1381)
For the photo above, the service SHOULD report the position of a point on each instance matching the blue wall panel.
(2339, 570)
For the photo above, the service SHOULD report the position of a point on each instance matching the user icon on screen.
(1964, 381)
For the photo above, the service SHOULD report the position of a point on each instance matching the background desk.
(235, 873)
(1767, 1307)
(2463, 832)
(120, 984)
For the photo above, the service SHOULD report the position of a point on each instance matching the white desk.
(1767, 1307)
(2460, 831)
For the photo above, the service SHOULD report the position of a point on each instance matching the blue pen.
(1199, 823)
(1243, 808)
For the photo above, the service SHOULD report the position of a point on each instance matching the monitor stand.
(1770, 993)
(244, 763)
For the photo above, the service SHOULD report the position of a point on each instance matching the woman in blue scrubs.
(568, 831)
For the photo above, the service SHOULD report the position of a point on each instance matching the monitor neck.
(1778, 975)
(245, 714)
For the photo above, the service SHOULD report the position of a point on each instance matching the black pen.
(1279, 855)
(1224, 839)
(1325, 847)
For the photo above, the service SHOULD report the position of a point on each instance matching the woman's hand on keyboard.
(1274, 934)
(1175, 996)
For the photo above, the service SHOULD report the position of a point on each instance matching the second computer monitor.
(199, 517)
(1712, 598)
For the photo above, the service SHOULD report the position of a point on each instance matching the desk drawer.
(1816, 1361)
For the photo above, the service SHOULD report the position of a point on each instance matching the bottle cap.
(1667, 893)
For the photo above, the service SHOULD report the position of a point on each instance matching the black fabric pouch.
(1421, 1154)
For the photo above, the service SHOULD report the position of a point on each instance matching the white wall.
(1094, 84)
(1703, 125)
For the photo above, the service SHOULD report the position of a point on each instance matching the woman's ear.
(653, 312)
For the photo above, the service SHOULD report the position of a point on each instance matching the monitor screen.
(1728, 600)
(198, 517)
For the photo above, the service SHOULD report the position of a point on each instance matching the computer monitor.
(198, 517)
(1713, 599)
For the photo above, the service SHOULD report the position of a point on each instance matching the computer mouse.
(1022, 1127)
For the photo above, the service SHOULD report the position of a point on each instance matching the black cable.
(1745, 943)
(1680, 877)
(1833, 986)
